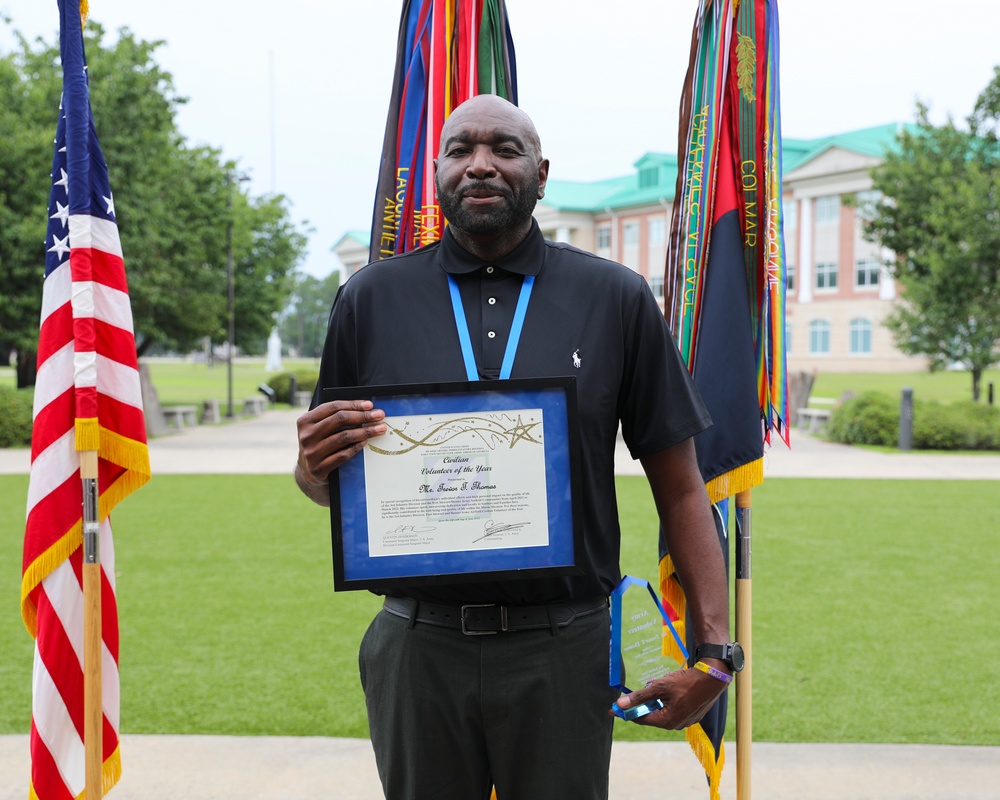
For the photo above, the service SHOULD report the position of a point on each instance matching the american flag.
(87, 398)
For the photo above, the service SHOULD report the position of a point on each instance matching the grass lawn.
(189, 382)
(946, 387)
(874, 610)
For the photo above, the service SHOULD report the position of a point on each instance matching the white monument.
(273, 352)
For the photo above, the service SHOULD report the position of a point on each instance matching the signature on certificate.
(494, 528)
(411, 529)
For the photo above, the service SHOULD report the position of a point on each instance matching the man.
(526, 710)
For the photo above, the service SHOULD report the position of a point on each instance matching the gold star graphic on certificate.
(521, 431)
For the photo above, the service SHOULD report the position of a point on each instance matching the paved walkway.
(267, 445)
(279, 768)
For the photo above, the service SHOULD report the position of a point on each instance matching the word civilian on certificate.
(455, 482)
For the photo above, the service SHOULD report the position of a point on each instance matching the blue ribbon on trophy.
(637, 622)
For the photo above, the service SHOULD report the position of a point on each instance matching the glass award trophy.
(637, 631)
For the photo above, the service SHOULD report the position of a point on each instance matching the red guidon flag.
(87, 398)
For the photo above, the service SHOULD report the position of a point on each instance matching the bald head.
(490, 110)
(489, 174)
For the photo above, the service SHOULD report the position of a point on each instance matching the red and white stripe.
(87, 369)
(57, 743)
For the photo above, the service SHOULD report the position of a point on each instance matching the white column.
(562, 234)
(805, 250)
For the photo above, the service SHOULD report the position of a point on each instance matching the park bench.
(210, 412)
(252, 406)
(302, 399)
(178, 416)
(814, 420)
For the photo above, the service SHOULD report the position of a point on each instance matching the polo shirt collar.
(525, 259)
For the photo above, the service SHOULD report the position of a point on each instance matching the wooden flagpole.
(93, 644)
(744, 679)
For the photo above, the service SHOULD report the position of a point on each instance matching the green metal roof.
(655, 177)
(872, 142)
(363, 238)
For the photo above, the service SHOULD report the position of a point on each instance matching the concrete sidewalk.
(279, 768)
(267, 445)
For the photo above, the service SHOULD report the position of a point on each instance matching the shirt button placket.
(491, 319)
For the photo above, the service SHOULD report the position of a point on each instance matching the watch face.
(736, 656)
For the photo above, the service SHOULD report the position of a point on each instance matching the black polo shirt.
(596, 320)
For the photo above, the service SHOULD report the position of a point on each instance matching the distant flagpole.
(724, 288)
(88, 453)
(447, 51)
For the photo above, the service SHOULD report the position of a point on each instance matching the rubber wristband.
(718, 674)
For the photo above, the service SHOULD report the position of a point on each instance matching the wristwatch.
(731, 654)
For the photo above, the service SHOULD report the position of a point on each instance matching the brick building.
(838, 289)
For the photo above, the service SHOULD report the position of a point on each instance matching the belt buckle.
(503, 619)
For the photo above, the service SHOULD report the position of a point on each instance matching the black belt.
(480, 620)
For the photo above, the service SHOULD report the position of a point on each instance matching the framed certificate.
(473, 481)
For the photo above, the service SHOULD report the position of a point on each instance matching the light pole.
(231, 180)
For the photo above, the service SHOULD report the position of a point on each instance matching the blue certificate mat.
(473, 481)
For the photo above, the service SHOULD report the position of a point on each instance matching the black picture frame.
(354, 568)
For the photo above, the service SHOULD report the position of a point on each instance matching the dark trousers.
(452, 715)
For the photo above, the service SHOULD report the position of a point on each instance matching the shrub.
(872, 418)
(940, 427)
(305, 381)
(984, 424)
(15, 416)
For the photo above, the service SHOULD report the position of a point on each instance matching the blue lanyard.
(515, 328)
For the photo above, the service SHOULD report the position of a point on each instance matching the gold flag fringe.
(673, 594)
(736, 480)
(111, 773)
(58, 552)
(133, 456)
(705, 753)
(111, 446)
(726, 485)
(88, 434)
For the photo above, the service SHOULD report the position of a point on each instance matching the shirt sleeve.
(339, 364)
(659, 404)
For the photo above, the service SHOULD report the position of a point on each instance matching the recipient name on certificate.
(446, 483)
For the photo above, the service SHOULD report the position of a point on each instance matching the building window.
(603, 237)
(827, 209)
(866, 273)
(788, 337)
(657, 231)
(790, 213)
(790, 277)
(826, 275)
(819, 336)
(865, 203)
(630, 234)
(656, 284)
(649, 176)
(861, 335)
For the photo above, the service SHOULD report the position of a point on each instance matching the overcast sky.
(602, 80)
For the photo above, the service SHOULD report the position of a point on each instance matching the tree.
(266, 249)
(170, 201)
(27, 127)
(304, 320)
(940, 215)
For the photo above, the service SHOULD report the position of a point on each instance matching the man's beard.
(515, 210)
